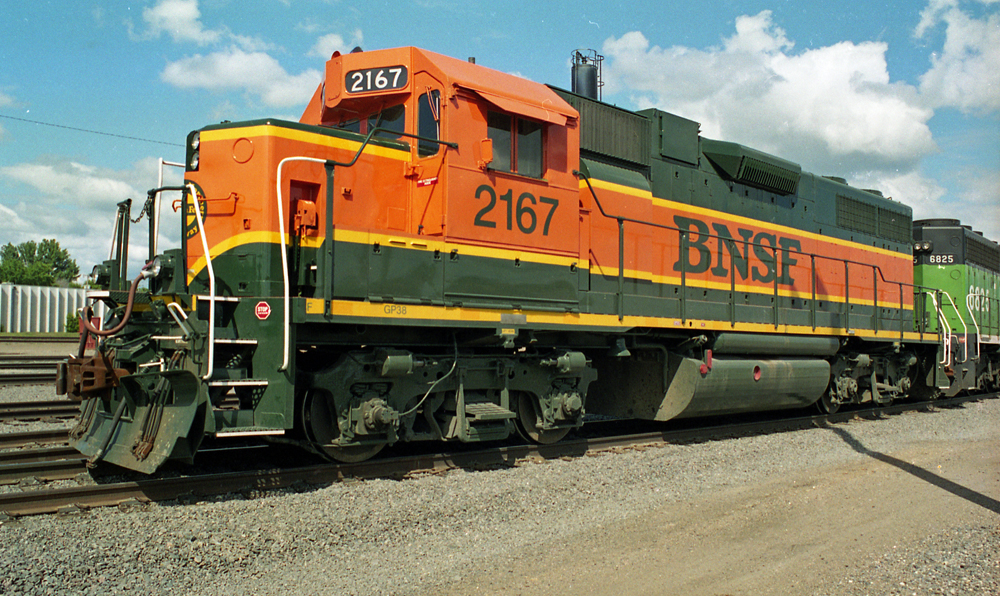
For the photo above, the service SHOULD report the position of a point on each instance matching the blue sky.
(903, 96)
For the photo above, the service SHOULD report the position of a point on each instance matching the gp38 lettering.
(520, 212)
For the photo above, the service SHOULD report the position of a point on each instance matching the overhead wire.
(96, 132)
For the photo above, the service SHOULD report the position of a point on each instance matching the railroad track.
(30, 369)
(35, 410)
(25, 361)
(28, 439)
(30, 378)
(38, 501)
(41, 339)
(50, 463)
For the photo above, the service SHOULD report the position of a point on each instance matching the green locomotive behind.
(964, 267)
(440, 251)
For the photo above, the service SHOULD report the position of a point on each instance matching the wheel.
(826, 405)
(319, 418)
(529, 417)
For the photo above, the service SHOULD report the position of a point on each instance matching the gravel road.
(903, 505)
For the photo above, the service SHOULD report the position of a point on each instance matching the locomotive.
(440, 251)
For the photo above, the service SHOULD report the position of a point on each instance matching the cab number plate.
(376, 79)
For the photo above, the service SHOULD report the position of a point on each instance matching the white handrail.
(969, 298)
(156, 204)
(945, 330)
(286, 357)
(961, 319)
(114, 235)
(211, 283)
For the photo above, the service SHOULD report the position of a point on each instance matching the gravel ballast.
(433, 534)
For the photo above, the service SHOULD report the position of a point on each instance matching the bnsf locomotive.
(440, 251)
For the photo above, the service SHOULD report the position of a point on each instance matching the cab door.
(514, 219)
(405, 263)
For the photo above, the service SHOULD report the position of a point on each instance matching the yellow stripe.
(674, 280)
(645, 194)
(231, 243)
(426, 243)
(264, 130)
(399, 241)
(610, 322)
(418, 243)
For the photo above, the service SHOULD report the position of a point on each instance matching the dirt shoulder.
(805, 533)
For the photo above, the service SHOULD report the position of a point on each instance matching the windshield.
(391, 120)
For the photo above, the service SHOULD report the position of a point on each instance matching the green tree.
(36, 264)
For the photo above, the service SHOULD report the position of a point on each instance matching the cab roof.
(508, 92)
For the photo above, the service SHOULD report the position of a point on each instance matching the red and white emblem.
(262, 310)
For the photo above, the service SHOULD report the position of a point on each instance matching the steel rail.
(45, 454)
(33, 378)
(16, 339)
(70, 499)
(42, 437)
(66, 463)
(30, 410)
(28, 361)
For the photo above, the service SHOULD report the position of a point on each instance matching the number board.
(376, 79)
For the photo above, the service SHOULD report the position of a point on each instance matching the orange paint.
(448, 194)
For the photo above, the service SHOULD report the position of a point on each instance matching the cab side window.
(429, 123)
(517, 144)
(529, 148)
(499, 130)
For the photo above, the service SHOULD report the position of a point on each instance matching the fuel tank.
(659, 385)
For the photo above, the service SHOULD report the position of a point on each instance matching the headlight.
(100, 276)
(156, 267)
(194, 143)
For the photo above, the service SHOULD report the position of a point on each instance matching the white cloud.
(912, 188)
(832, 109)
(181, 20)
(979, 205)
(82, 185)
(254, 72)
(326, 45)
(966, 74)
(76, 203)
(11, 222)
(978, 191)
(931, 15)
(5, 100)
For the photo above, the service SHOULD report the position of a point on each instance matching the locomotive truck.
(441, 251)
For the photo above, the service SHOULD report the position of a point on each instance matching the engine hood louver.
(752, 167)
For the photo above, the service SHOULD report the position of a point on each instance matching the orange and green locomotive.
(440, 251)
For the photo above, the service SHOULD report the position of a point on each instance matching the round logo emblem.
(262, 310)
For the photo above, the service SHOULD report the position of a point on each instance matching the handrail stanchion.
(621, 269)
(812, 279)
(774, 255)
(211, 283)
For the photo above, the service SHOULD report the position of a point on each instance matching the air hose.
(87, 312)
